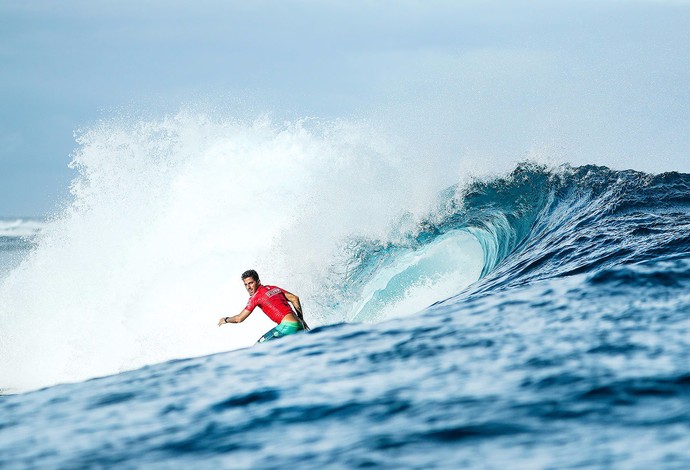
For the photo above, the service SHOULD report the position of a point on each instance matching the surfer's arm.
(294, 300)
(239, 318)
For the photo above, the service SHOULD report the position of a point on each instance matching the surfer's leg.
(283, 329)
(273, 333)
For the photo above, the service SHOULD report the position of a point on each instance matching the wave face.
(536, 319)
(539, 224)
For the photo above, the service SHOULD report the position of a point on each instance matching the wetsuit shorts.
(284, 328)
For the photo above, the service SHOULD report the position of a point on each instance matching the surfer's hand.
(222, 321)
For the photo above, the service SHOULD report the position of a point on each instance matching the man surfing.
(275, 303)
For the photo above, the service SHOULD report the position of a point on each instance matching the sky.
(603, 82)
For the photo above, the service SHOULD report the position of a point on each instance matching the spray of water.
(166, 213)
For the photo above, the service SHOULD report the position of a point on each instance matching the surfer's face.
(250, 284)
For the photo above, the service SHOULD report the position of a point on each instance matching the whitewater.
(527, 315)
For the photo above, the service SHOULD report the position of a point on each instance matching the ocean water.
(534, 318)
(16, 235)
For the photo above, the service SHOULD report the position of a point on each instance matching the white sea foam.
(168, 212)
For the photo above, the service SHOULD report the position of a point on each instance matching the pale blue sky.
(606, 80)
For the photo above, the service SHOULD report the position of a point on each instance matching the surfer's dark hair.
(251, 273)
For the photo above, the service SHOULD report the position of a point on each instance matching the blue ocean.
(532, 316)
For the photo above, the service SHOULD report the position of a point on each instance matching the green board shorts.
(284, 328)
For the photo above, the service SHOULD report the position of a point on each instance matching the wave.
(16, 233)
(590, 218)
(167, 213)
(538, 223)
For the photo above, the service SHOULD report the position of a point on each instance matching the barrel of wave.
(414, 280)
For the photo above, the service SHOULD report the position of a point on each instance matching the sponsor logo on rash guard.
(273, 292)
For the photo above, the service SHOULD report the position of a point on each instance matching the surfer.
(275, 303)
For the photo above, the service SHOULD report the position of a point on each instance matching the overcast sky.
(605, 81)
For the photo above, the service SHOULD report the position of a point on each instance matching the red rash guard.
(272, 301)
